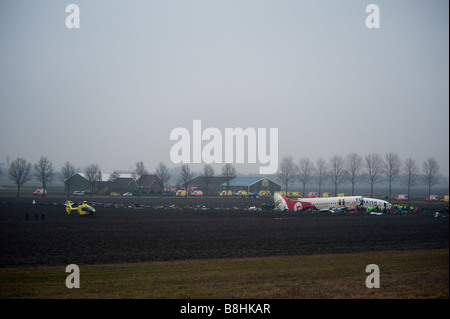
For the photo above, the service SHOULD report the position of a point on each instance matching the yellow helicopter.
(83, 209)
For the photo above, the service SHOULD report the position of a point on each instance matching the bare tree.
(411, 172)
(67, 171)
(353, 165)
(114, 176)
(336, 171)
(375, 169)
(163, 174)
(321, 172)
(19, 172)
(431, 171)
(287, 172)
(186, 176)
(305, 169)
(393, 168)
(229, 172)
(93, 175)
(43, 170)
(207, 174)
(138, 175)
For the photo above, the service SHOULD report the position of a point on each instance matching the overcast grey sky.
(111, 91)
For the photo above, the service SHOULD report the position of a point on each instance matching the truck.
(224, 193)
(181, 192)
(402, 197)
(241, 193)
(290, 194)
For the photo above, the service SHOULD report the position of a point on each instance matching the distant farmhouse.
(124, 183)
(217, 184)
(252, 184)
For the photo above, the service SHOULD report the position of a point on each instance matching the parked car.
(432, 198)
(312, 195)
(402, 197)
(79, 193)
(39, 192)
(114, 194)
(196, 193)
(127, 194)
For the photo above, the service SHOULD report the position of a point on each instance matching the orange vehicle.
(39, 192)
(432, 198)
(312, 195)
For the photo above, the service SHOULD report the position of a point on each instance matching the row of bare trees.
(21, 171)
(372, 169)
(354, 168)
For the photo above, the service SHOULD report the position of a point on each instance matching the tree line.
(21, 171)
(371, 168)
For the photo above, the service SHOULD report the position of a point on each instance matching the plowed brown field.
(133, 230)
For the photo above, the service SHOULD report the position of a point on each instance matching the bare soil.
(127, 230)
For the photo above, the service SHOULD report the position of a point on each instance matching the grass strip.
(403, 274)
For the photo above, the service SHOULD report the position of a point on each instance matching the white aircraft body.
(319, 203)
(323, 203)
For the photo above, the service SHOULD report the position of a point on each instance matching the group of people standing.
(387, 210)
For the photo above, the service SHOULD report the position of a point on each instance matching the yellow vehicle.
(224, 193)
(325, 194)
(264, 194)
(83, 209)
(181, 192)
(114, 194)
(341, 195)
(444, 199)
(241, 193)
(290, 194)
